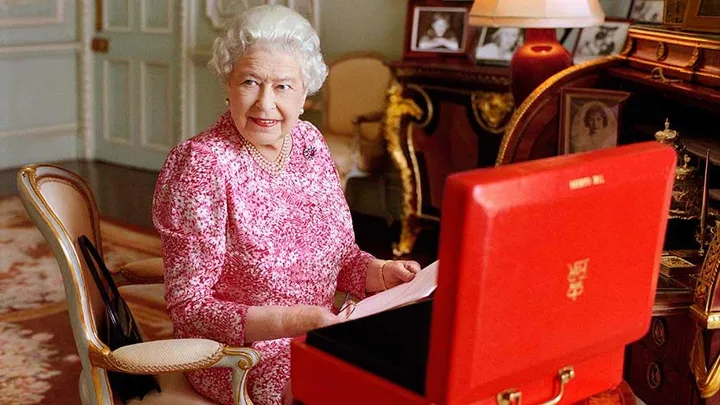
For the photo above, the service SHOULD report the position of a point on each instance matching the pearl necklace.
(275, 167)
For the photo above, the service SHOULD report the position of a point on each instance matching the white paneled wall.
(39, 64)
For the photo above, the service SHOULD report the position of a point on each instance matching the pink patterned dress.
(234, 236)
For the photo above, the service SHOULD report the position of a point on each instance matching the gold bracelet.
(382, 276)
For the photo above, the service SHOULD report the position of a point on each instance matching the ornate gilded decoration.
(397, 109)
(687, 192)
(629, 47)
(661, 51)
(659, 331)
(707, 277)
(657, 74)
(708, 381)
(492, 110)
(694, 58)
(654, 376)
(667, 136)
(429, 109)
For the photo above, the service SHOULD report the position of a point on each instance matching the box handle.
(511, 396)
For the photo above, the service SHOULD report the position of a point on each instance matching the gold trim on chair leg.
(398, 107)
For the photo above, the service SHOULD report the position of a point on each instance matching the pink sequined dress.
(235, 236)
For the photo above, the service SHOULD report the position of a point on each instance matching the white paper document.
(420, 287)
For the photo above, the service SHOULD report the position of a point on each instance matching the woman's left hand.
(396, 272)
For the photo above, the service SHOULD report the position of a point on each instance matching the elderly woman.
(255, 229)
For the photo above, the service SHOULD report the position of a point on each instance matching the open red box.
(547, 270)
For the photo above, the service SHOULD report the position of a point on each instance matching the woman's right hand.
(275, 321)
(302, 318)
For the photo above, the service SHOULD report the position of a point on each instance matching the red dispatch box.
(530, 300)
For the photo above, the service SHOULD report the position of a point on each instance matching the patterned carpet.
(37, 350)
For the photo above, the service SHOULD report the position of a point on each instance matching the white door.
(137, 91)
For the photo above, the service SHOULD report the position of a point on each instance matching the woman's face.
(596, 121)
(266, 95)
(440, 26)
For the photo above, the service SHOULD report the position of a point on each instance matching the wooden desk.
(657, 366)
(441, 119)
(669, 74)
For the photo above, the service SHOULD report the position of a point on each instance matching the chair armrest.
(182, 355)
(375, 116)
(368, 146)
(146, 271)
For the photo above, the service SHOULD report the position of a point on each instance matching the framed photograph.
(674, 13)
(589, 119)
(702, 15)
(647, 11)
(603, 40)
(497, 45)
(439, 29)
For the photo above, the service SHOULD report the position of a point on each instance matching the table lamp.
(541, 56)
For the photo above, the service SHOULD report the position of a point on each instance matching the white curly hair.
(274, 27)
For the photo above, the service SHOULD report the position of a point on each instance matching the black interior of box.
(392, 344)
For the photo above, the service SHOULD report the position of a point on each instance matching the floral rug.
(37, 350)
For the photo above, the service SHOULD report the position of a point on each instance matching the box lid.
(545, 264)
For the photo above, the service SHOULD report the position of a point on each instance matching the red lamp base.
(539, 58)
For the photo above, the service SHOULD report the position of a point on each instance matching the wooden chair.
(63, 207)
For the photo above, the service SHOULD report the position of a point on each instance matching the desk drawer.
(670, 338)
(654, 380)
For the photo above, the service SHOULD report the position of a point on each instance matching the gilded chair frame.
(59, 223)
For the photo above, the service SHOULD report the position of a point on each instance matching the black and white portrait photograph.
(439, 29)
(604, 40)
(498, 44)
(591, 119)
(647, 11)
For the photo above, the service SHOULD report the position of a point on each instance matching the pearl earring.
(302, 111)
(227, 101)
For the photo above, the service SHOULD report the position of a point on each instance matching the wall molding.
(145, 29)
(32, 21)
(86, 82)
(186, 77)
(119, 28)
(13, 51)
(169, 119)
(106, 101)
(47, 130)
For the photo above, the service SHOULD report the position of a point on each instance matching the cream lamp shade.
(536, 13)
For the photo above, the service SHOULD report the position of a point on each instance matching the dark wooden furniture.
(441, 119)
(674, 75)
